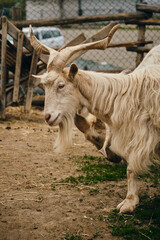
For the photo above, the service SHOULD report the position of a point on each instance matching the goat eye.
(61, 85)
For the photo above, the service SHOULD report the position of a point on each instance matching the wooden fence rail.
(82, 19)
(148, 8)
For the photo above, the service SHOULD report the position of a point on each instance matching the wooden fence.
(23, 63)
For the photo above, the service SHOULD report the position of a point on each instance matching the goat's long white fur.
(132, 102)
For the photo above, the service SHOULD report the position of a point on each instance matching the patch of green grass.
(89, 157)
(72, 237)
(99, 172)
(145, 224)
(93, 173)
(95, 169)
(70, 179)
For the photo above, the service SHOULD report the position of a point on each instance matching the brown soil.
(32, 204)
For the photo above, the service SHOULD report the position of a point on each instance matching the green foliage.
(145, 224)
(6, 7)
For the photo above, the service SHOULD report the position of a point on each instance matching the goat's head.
(61, 100)
(61, 97)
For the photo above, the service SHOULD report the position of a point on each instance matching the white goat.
(129, 104)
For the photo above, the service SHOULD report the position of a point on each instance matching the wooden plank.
(33, 70)
(27, 44)
(81, 19)
(148, 8)
(3, 68)
(13, 32)
(149, 21)
(16, 13)
(18, 66)
(139, 49)
(128, 44)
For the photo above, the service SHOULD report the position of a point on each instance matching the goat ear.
(72, 71)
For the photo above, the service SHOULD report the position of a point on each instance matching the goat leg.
(132, 199)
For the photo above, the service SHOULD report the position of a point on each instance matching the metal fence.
(108, 59)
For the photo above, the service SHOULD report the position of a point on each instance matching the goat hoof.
(128, 205)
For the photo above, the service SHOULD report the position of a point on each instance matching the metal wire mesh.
(111, 58)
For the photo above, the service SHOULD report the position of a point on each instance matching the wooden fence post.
(18, 66)
(141, 37)
(33, 70)
(3, 68)
(16, 13)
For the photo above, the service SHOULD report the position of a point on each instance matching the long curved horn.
(37, 45)
(41, 48)
(62, 58)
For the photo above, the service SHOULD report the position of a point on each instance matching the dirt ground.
(33, 203)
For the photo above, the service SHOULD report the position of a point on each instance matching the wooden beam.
(81, 19)
(3, 68)
(139, 49)
(141, 37)
(128, 44)
(33, 70)
(18, 66)
(148, 8)
(149, 21)
(16, 13)
(13, 32)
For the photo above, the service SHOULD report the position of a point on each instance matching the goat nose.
(47, 117)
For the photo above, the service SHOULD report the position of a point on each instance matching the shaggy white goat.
(129, 104)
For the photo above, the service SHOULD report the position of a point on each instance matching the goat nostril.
(47, 117)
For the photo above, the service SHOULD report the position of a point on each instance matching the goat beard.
(64, 138)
